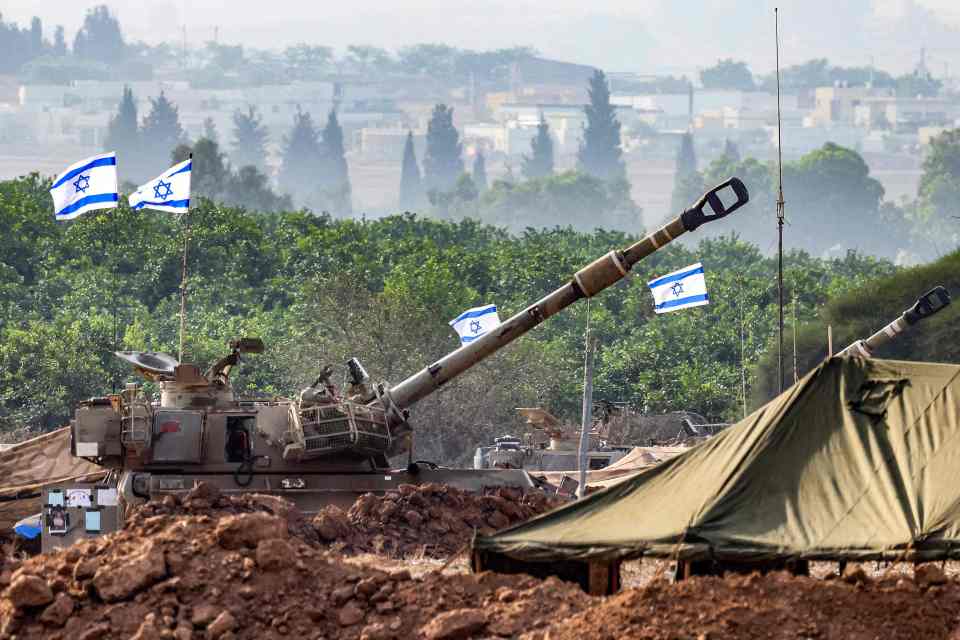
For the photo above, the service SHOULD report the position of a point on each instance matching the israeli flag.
(681, 289)
(87, 185)
(170, 192)
(473, 323)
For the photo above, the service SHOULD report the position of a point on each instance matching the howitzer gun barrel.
(717, 203)
(928, 304)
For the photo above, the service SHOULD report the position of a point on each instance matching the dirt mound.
(773, 606)
(430, 519)
(249, 567)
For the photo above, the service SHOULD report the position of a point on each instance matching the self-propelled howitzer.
(325, 446)
(928, 304)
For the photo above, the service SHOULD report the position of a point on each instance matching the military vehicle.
(326, 446)
(928, 304)
(549, 446)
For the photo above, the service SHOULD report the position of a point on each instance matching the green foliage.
(411, 189)
(580, 200)
(600, 154)
(833, 204)
(539, 164)
(322, 290)
(442, 162)
(938, 196)
(859, 307)
(727, 74)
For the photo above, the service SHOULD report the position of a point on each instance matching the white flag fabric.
(681, 289)
(87, 185)
(169, 192)
(473, 323)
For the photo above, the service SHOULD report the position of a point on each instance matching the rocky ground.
(218, 568)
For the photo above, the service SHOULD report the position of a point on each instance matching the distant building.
(905, 113)
(386, 143)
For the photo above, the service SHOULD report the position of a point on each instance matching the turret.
(928, 304)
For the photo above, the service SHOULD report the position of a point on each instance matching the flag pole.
(587, 414)
(183, 279)
(183, 285)
(116, 268)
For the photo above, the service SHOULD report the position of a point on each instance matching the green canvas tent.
(858, 460)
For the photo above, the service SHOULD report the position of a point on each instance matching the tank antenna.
(780, 215)
(183, 279)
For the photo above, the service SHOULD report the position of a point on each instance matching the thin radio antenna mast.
(780, 203)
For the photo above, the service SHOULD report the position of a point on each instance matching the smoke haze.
(654, 36)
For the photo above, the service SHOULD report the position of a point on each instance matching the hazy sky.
(639, 35)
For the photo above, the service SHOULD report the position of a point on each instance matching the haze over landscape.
(651, 36)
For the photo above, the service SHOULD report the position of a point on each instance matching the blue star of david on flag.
(81, 184)
(162, 190)
(169, 192)
(87, 185)
(681, 289)
(476, 322)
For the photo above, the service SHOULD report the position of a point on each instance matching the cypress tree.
(539, 164)
(687, 181)
(411, 189)
(161, 133)
(442, 163)
(36, 38)
(334, 177)
(480, 172)
(249, 139)
(600, 154)
(59, 42)
(686, 158)
(123, 136)
(301, 156)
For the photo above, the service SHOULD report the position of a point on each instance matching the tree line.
(314, 172)
(833, 203)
